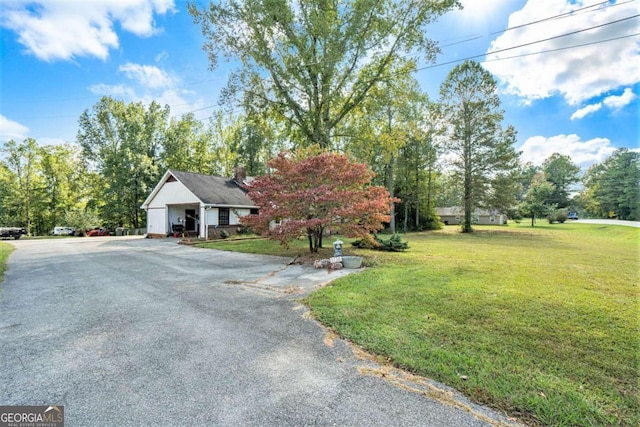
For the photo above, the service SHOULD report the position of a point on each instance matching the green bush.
(557, 216)
(561, 217)
(393, 244)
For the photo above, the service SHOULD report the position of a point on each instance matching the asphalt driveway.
(131, 331)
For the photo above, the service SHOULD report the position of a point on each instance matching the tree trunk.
(406, 216)
(468, 184)
(392, 210)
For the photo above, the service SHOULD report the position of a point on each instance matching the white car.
(62, 231)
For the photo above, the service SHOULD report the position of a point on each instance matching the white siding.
(173, 193)
(212, 216)
(235, 214)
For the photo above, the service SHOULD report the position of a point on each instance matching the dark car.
(98, 232)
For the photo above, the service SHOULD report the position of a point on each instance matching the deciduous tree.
(307, 193)
(561, 172)
(614, 185)
(536, 200)
(187, 146)
(21, 168)
(122, 142)
(314, 61)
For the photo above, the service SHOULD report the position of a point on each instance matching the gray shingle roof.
(213, 190)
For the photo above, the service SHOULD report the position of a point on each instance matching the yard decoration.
(309, 193)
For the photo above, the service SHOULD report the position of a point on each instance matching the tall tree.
(122, 142)
(187, 146)
(306, 193)
(561, 172)
(384, 123)
(314, 61)
(21, 170)
(64, 184)
(470, 119)
(417, 178)
(614, 185)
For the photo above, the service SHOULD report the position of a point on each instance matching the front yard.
(541, 322)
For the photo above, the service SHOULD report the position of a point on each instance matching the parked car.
(62, 231)
(98, 232)
(15, 232)
(572, 215)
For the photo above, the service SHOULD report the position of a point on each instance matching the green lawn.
(541, 323)
(5, 250)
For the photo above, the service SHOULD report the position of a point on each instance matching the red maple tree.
(307, 194)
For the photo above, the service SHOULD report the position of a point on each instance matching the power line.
(512, 48)
(535, 42)
(563, 48)
(559, 16)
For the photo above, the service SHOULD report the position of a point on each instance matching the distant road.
(610, 222)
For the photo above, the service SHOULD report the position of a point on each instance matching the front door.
(190, 220)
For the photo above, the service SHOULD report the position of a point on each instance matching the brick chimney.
(240, 174)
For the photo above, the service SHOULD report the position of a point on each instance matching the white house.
(197, 204)
(455, 215)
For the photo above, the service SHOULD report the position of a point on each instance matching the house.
(196, 204)
(455, 215)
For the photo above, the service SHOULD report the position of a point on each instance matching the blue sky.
(59, 57)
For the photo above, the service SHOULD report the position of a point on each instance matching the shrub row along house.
(197, 205)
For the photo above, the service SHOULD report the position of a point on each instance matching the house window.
(492, 219)
(253, 211)
(223, 216)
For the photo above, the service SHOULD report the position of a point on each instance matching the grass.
(5, 251)
(297, 248)
(541, 323)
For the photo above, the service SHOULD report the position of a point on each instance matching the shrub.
(561, 217)
(393, 244)
(557, 216)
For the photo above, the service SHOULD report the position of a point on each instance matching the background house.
(455, 215)
(200, 205)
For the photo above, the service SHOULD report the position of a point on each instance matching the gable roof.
(211, 190)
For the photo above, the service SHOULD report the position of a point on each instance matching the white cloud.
(162, 56)
(148, 75)
(10, 129)
(617, 102)
(591, 108)
(64, 29)
(116, 91)
(578, 74)
(583, 153)
(148, 83)
(474, 10)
